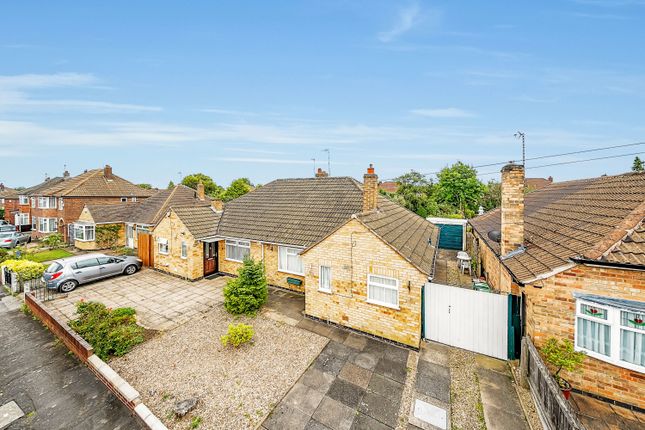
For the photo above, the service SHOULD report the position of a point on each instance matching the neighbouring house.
(8, 201)
(21, 214)
(389, 186)
(57, 204)
(132, 218)
(575, 253)
(532, 184)
(360, 259)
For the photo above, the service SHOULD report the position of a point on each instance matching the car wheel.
(29, 240)
(68, 286)
(131, 269)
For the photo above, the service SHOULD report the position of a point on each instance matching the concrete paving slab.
(356, 341)
(355, 374)
(392, 369)
(303, 398)
(433, 380)
(433, 415)
(380, 408)
(365, 422)
(334, 414)
(317, 379)
(346, 393)
(365, 359)
(10, 412)
(386, 387)
(286, 417)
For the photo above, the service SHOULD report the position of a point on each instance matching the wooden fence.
(145, 249)
(554, 409)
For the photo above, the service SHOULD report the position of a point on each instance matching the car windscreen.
(53, 268)
(5, 235)
(7, 228)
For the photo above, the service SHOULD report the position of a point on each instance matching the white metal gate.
(468, 319)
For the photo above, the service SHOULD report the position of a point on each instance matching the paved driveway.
(162, 302)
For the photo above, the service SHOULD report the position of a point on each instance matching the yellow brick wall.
(551, 312)
(86, 216)
(270, 258)
(172, 229)
(347, 304)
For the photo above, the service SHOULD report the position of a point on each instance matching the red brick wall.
(551, 312)
(9, 206)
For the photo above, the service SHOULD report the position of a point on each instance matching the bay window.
(237, 250)
(611, 330)
(289, 260)
(84, 232)
(383, 291)
(47, 225)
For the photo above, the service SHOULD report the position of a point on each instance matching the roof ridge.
(93, 173)
(639, 211)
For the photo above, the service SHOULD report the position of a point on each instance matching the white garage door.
(468, 319)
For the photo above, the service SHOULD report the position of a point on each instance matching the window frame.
(320, 286)
(124, 199)
(161, 241)
(378, 302)
(85, 228)
(22, 217)
(238, 243)
(47, 220)
(615, 326)
(23, 200)
(184, 250)
(293, 251)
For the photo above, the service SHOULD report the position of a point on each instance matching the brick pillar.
(201, 194)
(512, 207)
(370, 189)
(321, 173)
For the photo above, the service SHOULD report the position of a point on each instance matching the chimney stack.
(321, 173)
(370, 189)
(201, 194)
(1, 186)
(512, 208)
(218, 205)
(65, 174)
(107, 171)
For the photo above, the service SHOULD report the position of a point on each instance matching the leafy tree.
(248, 292)
(459, 187)
(171, 185)
(638, 165)
(416, 193)
(492, 196)
(210, 187)
(238, 188)
(562, 355)
(145, 186)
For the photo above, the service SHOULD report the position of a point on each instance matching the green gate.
(451, 236)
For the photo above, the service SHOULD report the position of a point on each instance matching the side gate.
(473, 320)
(145, 250)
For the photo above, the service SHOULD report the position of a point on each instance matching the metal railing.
(38, 289)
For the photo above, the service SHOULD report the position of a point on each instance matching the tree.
(416, 193)
(248, 292)
(562, 356)
(238, 188)
(210, 187)
(638, 165)
(145, 186)
(171, 185)
(459, 187)
(492, 196)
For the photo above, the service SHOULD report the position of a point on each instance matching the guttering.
(546, 275)
(219, 237)
(598, 263)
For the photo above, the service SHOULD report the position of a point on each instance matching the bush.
(562, 355)
(238, 334)
(25, 269)
(107, 236)
(125, 251)
(4, 255)
(111, 332)
(53, 241)
(248, 292)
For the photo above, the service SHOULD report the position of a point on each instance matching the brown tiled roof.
(37, 189)
(631, 249)
(8, 193)
(94, 183)
(296, 212)
(389, 186)
(583, 218)
(405, 231)
(201, 221)
(533, 184)
(148, 211)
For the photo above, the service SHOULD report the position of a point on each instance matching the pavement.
(42, 386)
(162, 302)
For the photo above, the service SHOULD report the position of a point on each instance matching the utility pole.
(328, 160)
(522, 136)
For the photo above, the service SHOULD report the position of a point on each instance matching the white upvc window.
(47, 225)
(289, 260)
(34, 222)
(611, 334)
(22, 218)
(33, 202)
(237, 250)
(383, 291)
(84, 232)
(184, 249)
(133, 199)
(124, 199)
(324, 279)
(163, 246)
(23, 200)
(61, 204)
(47, 202)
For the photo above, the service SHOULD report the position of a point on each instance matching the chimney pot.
(550, 179)
(107, 171)
(512, 208)
(201, 194)
(65, 174)
(321, 173)
(370, 189)
(218, 205)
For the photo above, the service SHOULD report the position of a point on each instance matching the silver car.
(8, 227)
(68, 273)
(11, 239)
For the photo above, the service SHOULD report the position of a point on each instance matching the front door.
(210, 258)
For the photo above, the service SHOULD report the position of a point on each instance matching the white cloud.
(261, 160)
(408, 18)
(450, 112)
(16, 82)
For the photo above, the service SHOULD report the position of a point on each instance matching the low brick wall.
(104, 373)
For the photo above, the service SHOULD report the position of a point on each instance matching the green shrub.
(238, 334)
(53, 241)
(4, 255)
(107, 235)
(111, 332)
(124, 250)
(248, 292)
(562, 355)
(25, 269)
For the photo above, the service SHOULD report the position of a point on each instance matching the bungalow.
(575, 253)
(360, 259)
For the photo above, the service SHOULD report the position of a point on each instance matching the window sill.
(385, 305)
(291, 273)
(320, 290)
(234, 261)
(83, 240)
(606, 359)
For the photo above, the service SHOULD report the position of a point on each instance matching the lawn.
(52, 254)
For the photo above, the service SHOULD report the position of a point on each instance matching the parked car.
(11, 239)
(4, 222)
(66, 274)
(7, 227)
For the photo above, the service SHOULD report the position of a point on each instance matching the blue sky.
(258, 89)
